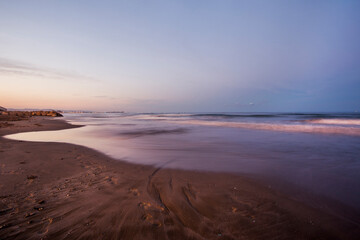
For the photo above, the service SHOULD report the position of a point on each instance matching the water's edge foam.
(306, 128)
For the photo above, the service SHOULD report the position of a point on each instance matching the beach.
(179, 120)
(57, 190)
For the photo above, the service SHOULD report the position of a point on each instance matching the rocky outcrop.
(46, 113)
(19, 115)
(2, 109)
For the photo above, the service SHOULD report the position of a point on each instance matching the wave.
(235, 115)
(336, 121)
(306, 128)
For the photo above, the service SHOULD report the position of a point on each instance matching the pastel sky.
(180, 56)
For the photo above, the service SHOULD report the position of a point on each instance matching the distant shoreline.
(58, 190)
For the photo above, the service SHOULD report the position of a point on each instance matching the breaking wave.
(336, 121)
(306, 128)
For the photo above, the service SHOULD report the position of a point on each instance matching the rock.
(29, 214)
(51, 113)
(38, 208)
(19, 115)
(31, 177)
(2, 109)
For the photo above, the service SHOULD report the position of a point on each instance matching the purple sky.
(167, 56)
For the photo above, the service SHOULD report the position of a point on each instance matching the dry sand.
(64, 191)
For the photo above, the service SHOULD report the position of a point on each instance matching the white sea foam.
(170, 117)
(307, 128)
(336, 121)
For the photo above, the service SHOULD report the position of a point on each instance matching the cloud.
(12, 67)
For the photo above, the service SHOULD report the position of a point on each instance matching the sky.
(180, 56)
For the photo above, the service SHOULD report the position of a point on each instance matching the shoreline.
(60, 190)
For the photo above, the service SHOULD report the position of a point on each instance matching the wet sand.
(64, 191)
